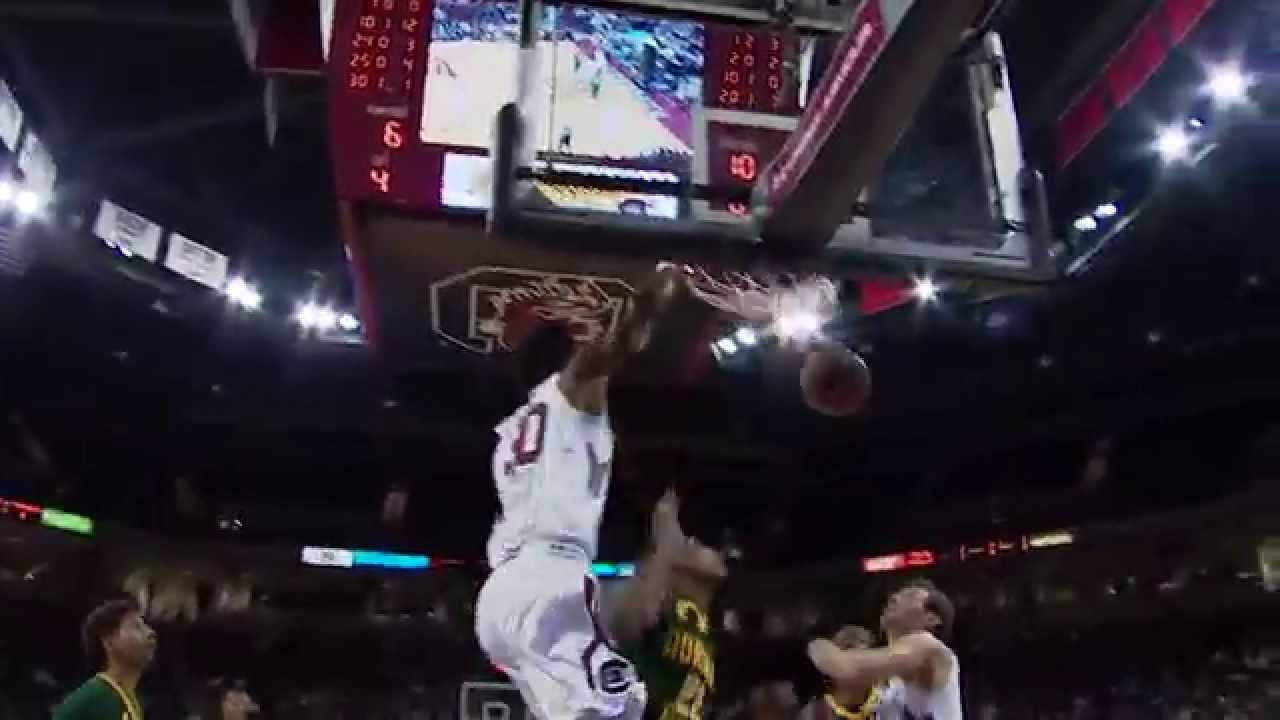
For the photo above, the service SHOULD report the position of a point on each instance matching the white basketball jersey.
(904, 701)
(551, 468)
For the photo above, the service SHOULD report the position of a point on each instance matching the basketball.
(835, 381)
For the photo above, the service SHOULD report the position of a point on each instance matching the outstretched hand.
(668, 536)
(667, 285)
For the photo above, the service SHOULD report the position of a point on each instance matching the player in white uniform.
(536, 616)
(918, 673)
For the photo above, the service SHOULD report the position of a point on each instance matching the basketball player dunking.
(662, 619)
(536, 614)
(918, 674)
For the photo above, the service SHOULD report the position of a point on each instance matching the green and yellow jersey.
(100, 698)
(676, 661)
(828, 707)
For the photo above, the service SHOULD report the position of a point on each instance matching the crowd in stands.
(1181, 670)
(1220, 665)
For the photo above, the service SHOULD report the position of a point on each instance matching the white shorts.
(536, 618)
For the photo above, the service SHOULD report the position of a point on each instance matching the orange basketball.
(835, 381)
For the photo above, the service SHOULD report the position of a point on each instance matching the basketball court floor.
(619, 122)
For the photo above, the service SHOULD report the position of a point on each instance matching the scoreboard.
(416, 85)
(375, 79)
(747, 70)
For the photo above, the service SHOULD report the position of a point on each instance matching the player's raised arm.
(640, 603)
(584, 380)
(916, 656)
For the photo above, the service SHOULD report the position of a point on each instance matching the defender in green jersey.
(662, 621)
(120, 643)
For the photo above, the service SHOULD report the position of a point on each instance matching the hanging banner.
(196, 262)
(10, 118)
(127, 231)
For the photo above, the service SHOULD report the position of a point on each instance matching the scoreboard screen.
(416, 87)
(749, 71)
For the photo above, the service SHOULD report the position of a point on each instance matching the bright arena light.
(925, 290)
(1173, 144)
(326, 319)
(746, 337)
(244, 294)
(1228, 85)
(6, 191)
(306, 315)
(348, 322)
(316, 317)
(801, 308)
(1085, 223)
(1106, 211)
(727, 346)
(798, 326)
(27, 202)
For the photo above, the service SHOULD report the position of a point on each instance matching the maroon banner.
(853, 59)
(1137, 61)
(1183, 16)
(1127, 72)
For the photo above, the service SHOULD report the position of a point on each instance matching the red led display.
(737, 155)
(750, 70)
(376, 75)
(898, 561)
(20, 510)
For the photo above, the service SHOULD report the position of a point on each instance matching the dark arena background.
(265, 266)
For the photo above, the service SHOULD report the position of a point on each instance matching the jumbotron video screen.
(617, 89)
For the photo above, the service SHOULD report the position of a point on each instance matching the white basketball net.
(793, 307)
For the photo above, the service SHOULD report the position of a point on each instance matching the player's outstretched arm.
(640, 604)
(584, 380)
(917, 656)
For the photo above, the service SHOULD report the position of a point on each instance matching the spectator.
(228, 702)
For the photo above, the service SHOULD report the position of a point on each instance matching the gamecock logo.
(488, 308)
(615, 677)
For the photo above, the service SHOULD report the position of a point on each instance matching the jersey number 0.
(531, 435)
(531, 438)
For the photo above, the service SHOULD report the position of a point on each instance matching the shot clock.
(737, 155)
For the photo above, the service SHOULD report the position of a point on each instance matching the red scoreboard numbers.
(742, 165)
(384, 47)
(747, 70)
(383, 58)
(738, 154)
(375, 72)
